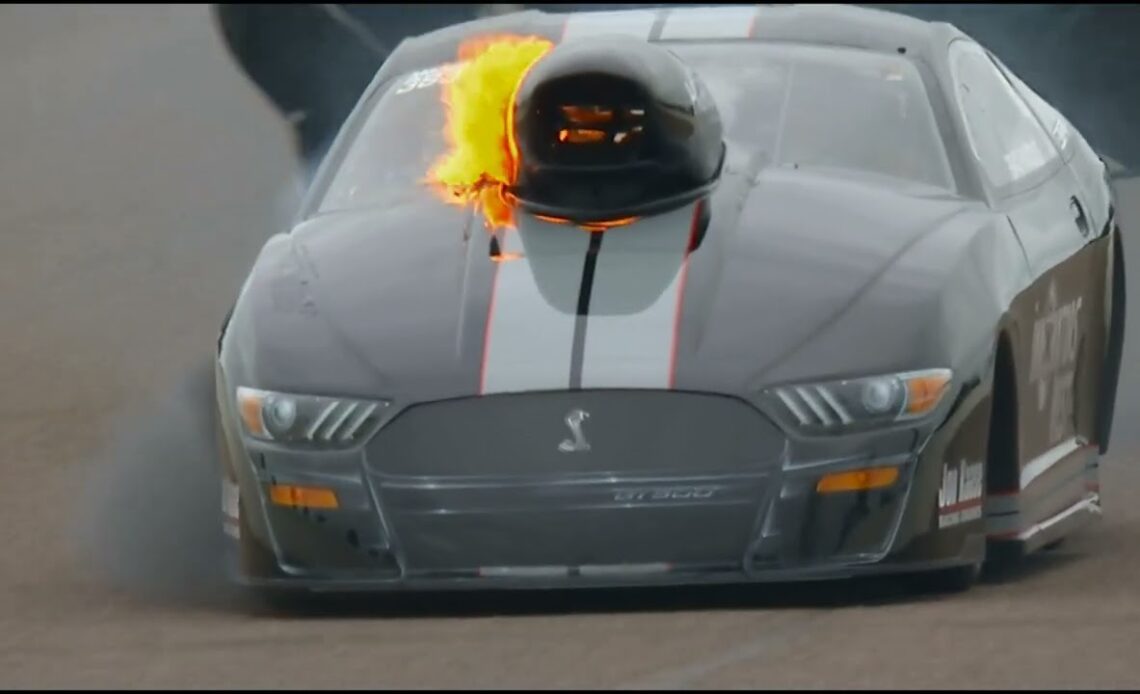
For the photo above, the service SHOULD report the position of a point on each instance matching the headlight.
(861, 403)
(308, 419)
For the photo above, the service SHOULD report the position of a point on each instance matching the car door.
(1092, 175)
(1059, 338)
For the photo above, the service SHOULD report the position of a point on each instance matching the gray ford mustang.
(741, 294)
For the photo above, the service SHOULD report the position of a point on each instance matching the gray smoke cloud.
(152, 524)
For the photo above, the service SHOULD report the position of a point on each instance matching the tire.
(1002, 457)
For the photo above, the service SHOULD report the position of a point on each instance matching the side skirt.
(1059, 493)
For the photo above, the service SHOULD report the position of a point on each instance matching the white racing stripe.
(632, 322)
(1039, 465)
(636, 23)
(535, 338)
(530, 329)
(731, 22)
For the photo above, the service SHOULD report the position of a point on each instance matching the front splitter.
(727, 575)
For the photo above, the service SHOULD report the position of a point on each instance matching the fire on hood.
(482, 158)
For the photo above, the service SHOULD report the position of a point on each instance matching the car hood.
(410, 302)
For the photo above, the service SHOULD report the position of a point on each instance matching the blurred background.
(147, 152)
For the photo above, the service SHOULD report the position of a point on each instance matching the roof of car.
(833, 25)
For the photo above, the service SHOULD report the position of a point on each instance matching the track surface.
(139, 173)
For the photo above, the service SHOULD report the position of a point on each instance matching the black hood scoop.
(609, 129)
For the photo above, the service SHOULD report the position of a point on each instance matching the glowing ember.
(482, 158)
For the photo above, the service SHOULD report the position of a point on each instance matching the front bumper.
(676, 489)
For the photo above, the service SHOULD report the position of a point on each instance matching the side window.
(1005, 137)
(1059, 128)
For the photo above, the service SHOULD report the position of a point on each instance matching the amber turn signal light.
(302, 497)
(857, 480)
(924, 392)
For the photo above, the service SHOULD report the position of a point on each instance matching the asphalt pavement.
(139, 174)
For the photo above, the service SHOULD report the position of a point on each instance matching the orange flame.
(608, 224)
(592, 227)
(482, 157)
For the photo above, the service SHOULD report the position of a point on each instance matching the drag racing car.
(676, 296)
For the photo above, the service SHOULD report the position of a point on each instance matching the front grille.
(669, 477)
(680, 536)
(628, 432)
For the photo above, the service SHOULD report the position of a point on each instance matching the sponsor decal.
(960, 496)
(422, 79)
(1056, 338)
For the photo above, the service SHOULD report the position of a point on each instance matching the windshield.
(789, 105)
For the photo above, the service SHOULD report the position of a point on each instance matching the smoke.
(152, 524)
